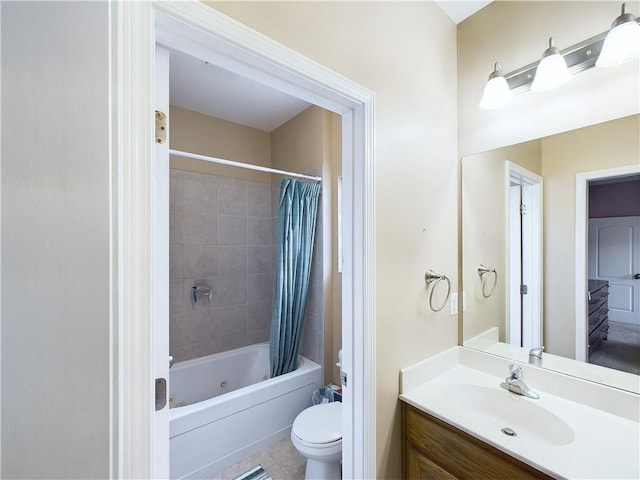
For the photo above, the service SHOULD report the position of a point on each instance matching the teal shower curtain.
(296, 232)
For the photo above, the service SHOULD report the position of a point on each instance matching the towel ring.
(431, 277)
(484, 273)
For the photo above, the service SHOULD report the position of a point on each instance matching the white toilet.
(317, 435)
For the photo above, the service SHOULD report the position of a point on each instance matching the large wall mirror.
(551, 252)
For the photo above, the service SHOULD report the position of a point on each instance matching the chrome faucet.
(515, 383)
(535, 356)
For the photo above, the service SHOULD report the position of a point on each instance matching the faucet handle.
(516, 372)
(537, 352)
(535, 356)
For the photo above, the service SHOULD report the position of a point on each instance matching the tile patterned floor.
(281, 461)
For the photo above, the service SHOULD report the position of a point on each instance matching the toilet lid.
(320, 423)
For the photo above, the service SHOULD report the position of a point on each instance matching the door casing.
(524, 312)
(202, 31)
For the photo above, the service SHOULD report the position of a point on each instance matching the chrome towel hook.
(484, 273)
(432, 277)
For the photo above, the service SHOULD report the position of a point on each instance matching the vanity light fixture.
(496, 91)
(625, 35)
(622, 43)
(552, 70)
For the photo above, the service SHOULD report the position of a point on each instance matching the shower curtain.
(296, 232)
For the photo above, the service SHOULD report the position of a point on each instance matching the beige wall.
(516, 33)
(198, 133)
(56, 232)
(405, 53)
(484, 238)
(607, 145)
(298, 145)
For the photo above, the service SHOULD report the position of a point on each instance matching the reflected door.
(614, 255)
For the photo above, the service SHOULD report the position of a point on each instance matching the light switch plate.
(454, 303)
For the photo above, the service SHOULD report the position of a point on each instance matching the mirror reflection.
(551, 252)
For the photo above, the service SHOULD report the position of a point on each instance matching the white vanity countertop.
(562, 437)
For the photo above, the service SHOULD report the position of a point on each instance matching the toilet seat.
(319, 446)
(319, 426)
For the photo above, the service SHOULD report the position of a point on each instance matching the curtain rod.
(242, 165)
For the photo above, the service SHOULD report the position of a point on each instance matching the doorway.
(524, 256)
(613, 273)
(585, 270)
(206, 34)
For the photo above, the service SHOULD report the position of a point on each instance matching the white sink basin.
(563, 433)
(504, 409)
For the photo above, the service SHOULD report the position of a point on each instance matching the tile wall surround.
(224, 231)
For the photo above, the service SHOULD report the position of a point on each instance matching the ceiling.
(205, 88)
(459, 11)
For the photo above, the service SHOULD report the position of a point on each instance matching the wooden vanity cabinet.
(435, 450)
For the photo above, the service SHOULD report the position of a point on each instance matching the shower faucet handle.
(201, 289)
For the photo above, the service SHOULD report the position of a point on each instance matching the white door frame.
(161, 262)
(244, 51)
(581, 249)
(531, 331)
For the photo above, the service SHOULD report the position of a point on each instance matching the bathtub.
(226, 408)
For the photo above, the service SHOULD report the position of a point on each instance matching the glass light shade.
(621, 45)
(551, 73)
(496, 93)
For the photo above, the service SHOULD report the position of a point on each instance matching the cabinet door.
(420, 468)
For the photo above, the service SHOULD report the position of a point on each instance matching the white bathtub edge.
(211, 469)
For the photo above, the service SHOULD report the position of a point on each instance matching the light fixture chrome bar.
(579, 57)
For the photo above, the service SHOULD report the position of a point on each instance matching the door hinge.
(523, 209)
(161, 393)
(161, 127)
(524, 289)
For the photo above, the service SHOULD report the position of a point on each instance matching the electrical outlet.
(454, 303)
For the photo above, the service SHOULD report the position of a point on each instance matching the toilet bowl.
(317, 435)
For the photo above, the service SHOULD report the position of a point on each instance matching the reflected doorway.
(582, 273)
(524, 227)
(613, 272)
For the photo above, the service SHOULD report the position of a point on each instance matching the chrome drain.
(223, 385)
(509, 431)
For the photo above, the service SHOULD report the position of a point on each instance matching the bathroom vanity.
(434, 449)
(459, 423)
